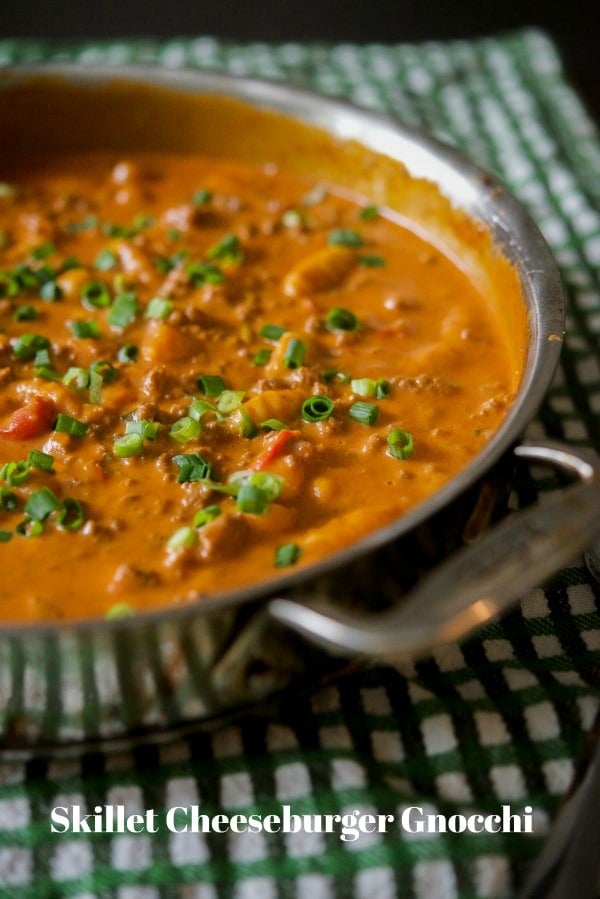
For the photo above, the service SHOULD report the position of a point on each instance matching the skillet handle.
(475, 584)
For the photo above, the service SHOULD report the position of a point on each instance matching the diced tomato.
(31, 420)
(274, 448)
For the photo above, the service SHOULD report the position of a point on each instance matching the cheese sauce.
(213, 371)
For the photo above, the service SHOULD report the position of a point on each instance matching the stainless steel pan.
(66, 685)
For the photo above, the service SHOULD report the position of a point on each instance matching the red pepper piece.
(31, 420)
(274, 448)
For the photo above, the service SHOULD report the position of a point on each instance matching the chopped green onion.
(246, 426)
(67, 425)
(159, 307)
(5, 536)
(272, 332)
(339, 319)
(71, 515)
(211, 385)
(364, 413)
(8, 500)
(128, 353)
(46, 372)
(253, 500)
(199, 408)
(106, 260)
(148, 429)
(50, 291)
(15, 473)
(364, 386)
(43, 251)
(229, 401)
(41, 503)
(371, 261)
(85, 329)
(262, 356)
(201, 273)
(27, 345)
(69, 263)
(288, 554)
(119, 610)
(333, 375)
(30, 528)
(107, 372)
(184, 538)
(345, 237)
(123, 310)
(208, 513)
(400, 444)
(317, 408)
(368, 213)
(271, 483)
(38, 459)
(95, 295)
(96, 382)
(25, 314)
(129, 445)
(272, 424)
(201, 197)
(295, 218)
(294, 354)
(76, 377)
(383, 388)
(227, 249)
(192, 467)
(185, 429)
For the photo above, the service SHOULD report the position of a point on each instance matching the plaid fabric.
(500, 719)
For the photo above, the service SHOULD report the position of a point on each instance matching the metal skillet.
(66, 686)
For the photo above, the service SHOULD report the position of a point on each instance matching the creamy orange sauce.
(208, 252)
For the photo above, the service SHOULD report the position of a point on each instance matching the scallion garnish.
(30, 528)
(345, 237)
(70, 516)
(199, 408)
(192, 467)
(43, 251)
(8, 500)
(15, 473)
(123, 310)
(364, 413)
(285, 555)
(148, 429)
(262, 356)
(95, 395)
(201, 197)
(50, 291)
(201, 273)
(253, 500)
(400, 444)
(76, 377)
(211, 385)
(371, 261)
(85, 329)
(294, 354)
(208, 513)
(185, 429)
(41, 503)
(334, 376)
(272, 332)
(129, 445)
(25, 314)
(339, 319)
(67, 425)
(228, 249)
(38, 459)
(317, 408)
(271, 483)
(272, 424)
(363, 386)
(105, 369)
(128, 353)
(106, 260)
(368, 213)
(183, 538)
(159, 307)
(27, 345)
(229, 401)
(95, 295)
(5, 536)
(246, 426)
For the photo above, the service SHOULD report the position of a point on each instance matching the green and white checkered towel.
(499, 720)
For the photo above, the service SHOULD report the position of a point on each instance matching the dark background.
(573, 24)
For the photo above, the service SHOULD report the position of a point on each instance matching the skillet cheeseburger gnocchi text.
(211, 372)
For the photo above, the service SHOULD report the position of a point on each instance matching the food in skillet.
(211, 372)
